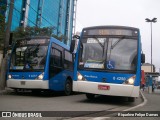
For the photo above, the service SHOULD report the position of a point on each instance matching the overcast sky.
(124, 13)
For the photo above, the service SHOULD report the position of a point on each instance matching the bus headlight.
(9, 76)
(40, 77)
(80, 77)
(130, 81)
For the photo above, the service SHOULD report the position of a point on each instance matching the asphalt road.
(63, 106)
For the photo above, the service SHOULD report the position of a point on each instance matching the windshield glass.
(93, 53)
(108, 53)
(29, 57)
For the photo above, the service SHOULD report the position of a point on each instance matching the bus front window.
(109, 53)
(121, 54)
(28, 57)
(93, 53)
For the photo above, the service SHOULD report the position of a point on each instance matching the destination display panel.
(105, 32)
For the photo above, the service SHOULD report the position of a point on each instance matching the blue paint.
(57, 81)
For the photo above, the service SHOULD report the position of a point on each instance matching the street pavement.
(151, 106)
(153, 101)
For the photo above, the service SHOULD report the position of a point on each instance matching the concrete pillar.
(150, 85)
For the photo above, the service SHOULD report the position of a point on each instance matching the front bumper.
(28, 84)
(115, 89)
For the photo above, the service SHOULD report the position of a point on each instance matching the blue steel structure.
(2, 3)
(58, 14)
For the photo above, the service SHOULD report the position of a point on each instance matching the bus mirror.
(76, 36)
(72, 46)
(142, 58)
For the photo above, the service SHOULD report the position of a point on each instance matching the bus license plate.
(103, 87)
(23, 82)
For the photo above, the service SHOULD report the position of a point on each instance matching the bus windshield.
(110, 53)
(29, 57)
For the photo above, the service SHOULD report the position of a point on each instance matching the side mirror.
(73, 43)
(72, 46)
(142, 58)
(76, 36)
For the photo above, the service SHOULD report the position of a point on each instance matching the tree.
(22, 32)
(2, 20)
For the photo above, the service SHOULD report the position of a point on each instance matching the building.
(147, 67)
(148, 74)
(3, 4)
(58, 14)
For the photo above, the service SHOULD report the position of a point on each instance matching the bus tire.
(90, 96)
(16, 90)
(131, 99)
(35, 91)
(68, 87)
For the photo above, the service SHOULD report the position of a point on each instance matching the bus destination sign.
(111, 32)
(32, 42)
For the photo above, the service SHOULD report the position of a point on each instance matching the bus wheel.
(35, 91)
(68, 87)
(131, 99)
(90, 96)
(16, 90)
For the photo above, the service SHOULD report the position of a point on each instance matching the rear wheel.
(15, 90)
(68, 87)
(35, 91)
(131, 99)
(90, 96)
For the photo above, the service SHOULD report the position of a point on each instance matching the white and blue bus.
(40, 63)
(108, 61)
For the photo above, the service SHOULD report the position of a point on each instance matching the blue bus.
(108, 61)
(40, 63)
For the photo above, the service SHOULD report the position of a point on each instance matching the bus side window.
(57, 58)
(55, 62)
(68, 60)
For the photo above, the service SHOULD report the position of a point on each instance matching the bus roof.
(46, 37)
(59, 43)
(111, 26)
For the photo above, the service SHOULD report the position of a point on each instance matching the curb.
(129, 109)
(140, 105)
(2, 92)
(105, 118)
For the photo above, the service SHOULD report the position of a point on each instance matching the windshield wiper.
(112, 46)
(100, 44)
